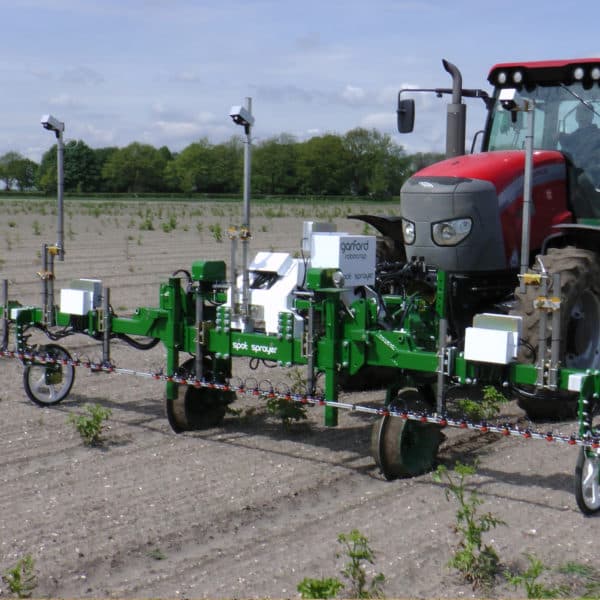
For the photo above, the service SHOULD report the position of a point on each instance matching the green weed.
(487, 408)
(327, 587)
(21, 579)
(90, 424)
(286, 410)
(216, 231)
(357, 550)
(147, 224)
(477, 563)
(528, 580)
(170, 225)
(157, 554)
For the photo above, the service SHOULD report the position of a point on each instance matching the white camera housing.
(507, 99)
(52, 123)
(241, 116)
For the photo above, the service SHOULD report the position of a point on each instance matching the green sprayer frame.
(193, 317)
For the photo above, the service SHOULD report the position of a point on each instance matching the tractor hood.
(503, 169)
(466, 211)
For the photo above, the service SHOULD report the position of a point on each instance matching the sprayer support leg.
(331, 413)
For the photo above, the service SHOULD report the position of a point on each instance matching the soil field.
(247, 509)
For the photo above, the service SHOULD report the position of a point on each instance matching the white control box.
(76, 302)
(353, 255)
(575, 382)
(90, 285)
(309, 228)
(489, 345)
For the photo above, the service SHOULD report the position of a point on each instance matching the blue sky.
(167, 72)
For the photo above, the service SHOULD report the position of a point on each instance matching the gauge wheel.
(580, 326)
(195, 408)
(405, 448)
(587, 482)
(48, 384)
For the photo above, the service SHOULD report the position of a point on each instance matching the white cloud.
(82, 75)
(353, 94)
(95, 137)
(382, 120)
(65, 101)
(186, 77)
(310, 41)
(180, 129)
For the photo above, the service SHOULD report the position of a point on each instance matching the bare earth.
(248, 509)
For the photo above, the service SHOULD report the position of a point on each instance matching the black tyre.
(194, 408)
(587, 482)
(405, 448)
(48, 384)
(580, 325)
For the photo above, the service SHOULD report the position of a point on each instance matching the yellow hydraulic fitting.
(45, 275)
(531, 278)
(547, 303)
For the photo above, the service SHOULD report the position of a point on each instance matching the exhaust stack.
(456, 115)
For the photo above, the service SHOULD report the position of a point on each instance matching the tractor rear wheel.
(196, 408)
(579, 271)
(405, 448)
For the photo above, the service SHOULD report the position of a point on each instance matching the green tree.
(377, 165)
(17, 171)
(420, 160)
(203, 167)
(102, 155)
(189, 169)
(82, 173)
(80, 167)
(226, 167)
(135, 168)
(274, 163)
(25, 173)
(323, 166)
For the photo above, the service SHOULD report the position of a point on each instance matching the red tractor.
(464, 215)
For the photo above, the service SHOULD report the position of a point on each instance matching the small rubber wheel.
(48, 384)
(194, 408)
(405, 448)
(587, 482)
(197, 408)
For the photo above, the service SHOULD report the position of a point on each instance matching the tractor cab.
(566, 101)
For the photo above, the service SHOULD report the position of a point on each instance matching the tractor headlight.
(450, 233)
(408, 231)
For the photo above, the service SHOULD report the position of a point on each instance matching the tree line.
(361, 162)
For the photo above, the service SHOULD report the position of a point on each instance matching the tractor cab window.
(567, 119)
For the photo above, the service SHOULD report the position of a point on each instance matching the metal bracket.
(549, 307)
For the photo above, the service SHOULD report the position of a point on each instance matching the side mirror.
(406, 115)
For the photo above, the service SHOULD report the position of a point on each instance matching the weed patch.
(91, 423)
(477, 562)
(358, 552)
(21, 579)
